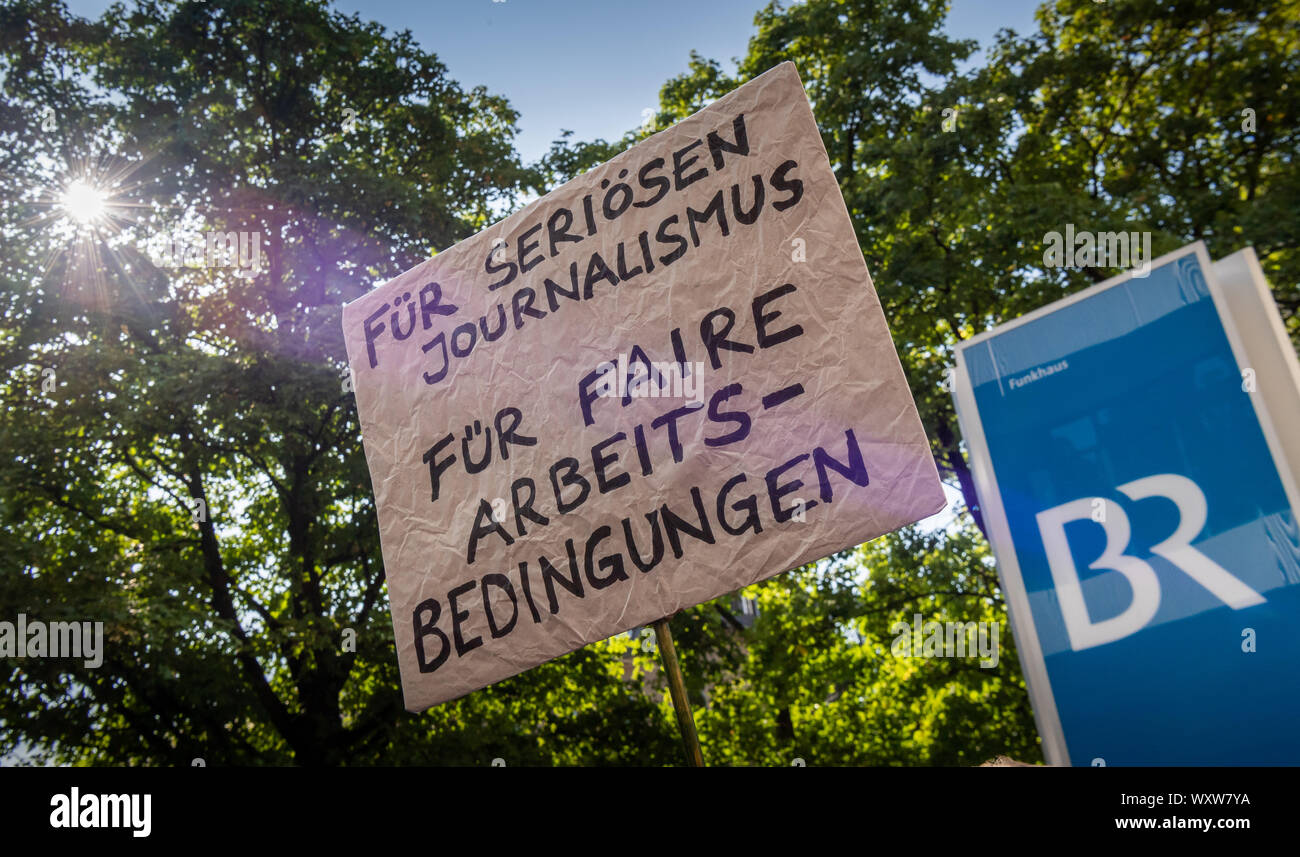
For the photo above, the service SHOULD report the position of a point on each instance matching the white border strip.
(1273, 358)
(1028, 647)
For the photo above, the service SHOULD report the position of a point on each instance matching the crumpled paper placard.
(664, 381)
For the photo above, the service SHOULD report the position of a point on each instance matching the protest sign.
(667, 379)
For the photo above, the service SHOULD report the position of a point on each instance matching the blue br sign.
(1144, 522)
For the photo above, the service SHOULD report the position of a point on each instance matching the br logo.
(1176, 549)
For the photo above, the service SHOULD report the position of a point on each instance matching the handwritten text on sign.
(666, 380)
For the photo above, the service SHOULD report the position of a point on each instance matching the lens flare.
(83, 202)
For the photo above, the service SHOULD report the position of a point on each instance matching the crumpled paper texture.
(844, 360)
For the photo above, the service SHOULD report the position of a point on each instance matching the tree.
(194, 479)
(1118, 116)
(132, 392)
(1125, 116)
(819, 681)
(822, 681)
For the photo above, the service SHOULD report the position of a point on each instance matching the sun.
(83, 202)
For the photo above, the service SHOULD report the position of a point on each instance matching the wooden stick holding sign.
(677, 689)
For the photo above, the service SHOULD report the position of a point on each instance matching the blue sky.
(592, 65)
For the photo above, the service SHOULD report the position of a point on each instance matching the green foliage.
(224, 633)
(822, 683)
(566, 160)
(356, 155)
